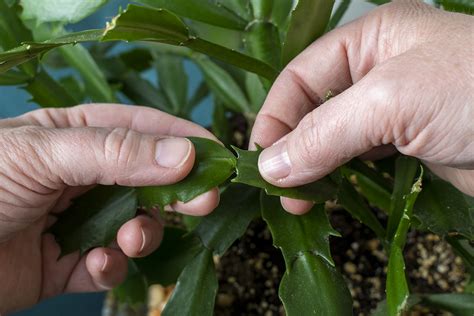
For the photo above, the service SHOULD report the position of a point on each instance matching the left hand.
(50, 156)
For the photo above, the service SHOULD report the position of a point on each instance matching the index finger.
(303, 85)
(138, 118)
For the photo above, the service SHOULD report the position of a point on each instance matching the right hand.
(405, 78)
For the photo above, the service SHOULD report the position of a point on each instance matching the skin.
(50, 156)
(404, 81)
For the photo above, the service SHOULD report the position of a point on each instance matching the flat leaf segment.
(311, 284)
(397, 285)
(139, 23)
(248, 173)
(95, 218)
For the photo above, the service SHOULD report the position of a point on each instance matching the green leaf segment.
(94, 219)
(397, 286)
(139, 23)
(304, 28)
(311, 284)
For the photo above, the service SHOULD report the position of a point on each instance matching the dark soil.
(250, 272)
(249, 275)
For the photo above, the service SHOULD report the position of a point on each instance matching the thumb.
(342, 128)
(87, 156)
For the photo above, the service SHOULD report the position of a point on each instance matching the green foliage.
(201, 93)
(311, 285)
(338, 15)
(165, 265)
(12, 33)
(378, 2)
(239, 205)
(13, 78)
(442, 209)
(463, 6)
(223, 85)
(314, 287)
(460, 304)
(94, 218)
(296, 234)
(405, 172)
(376, 189)
(173, 81)
(30, 50)
(49, 93)
(255, 91)
(281, 13)
(261, 9)
(220, 127)
(263, 41)
(304, 28)
(353, 202)
(239, 46)
(162, 26)
(74, 87)
(397, 286)
(165, 27)
(189, 256)
(12, 30)
(201, 10)
(95, 83)
(196, 288)
(134, 290)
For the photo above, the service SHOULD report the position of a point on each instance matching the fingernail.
(274, 162)
(144, 241)
(172, 152)
(105, 263)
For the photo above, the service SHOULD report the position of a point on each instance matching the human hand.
(403, 77)
(50, 156)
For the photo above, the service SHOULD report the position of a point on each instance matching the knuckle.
(121, 147)
(382, 98)
(24, 141)
(26, 157)
(309, 142)
(314, 150)
(381, 88)
(403, 7)
(49, 117)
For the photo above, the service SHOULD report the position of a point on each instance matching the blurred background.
(14, 101)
